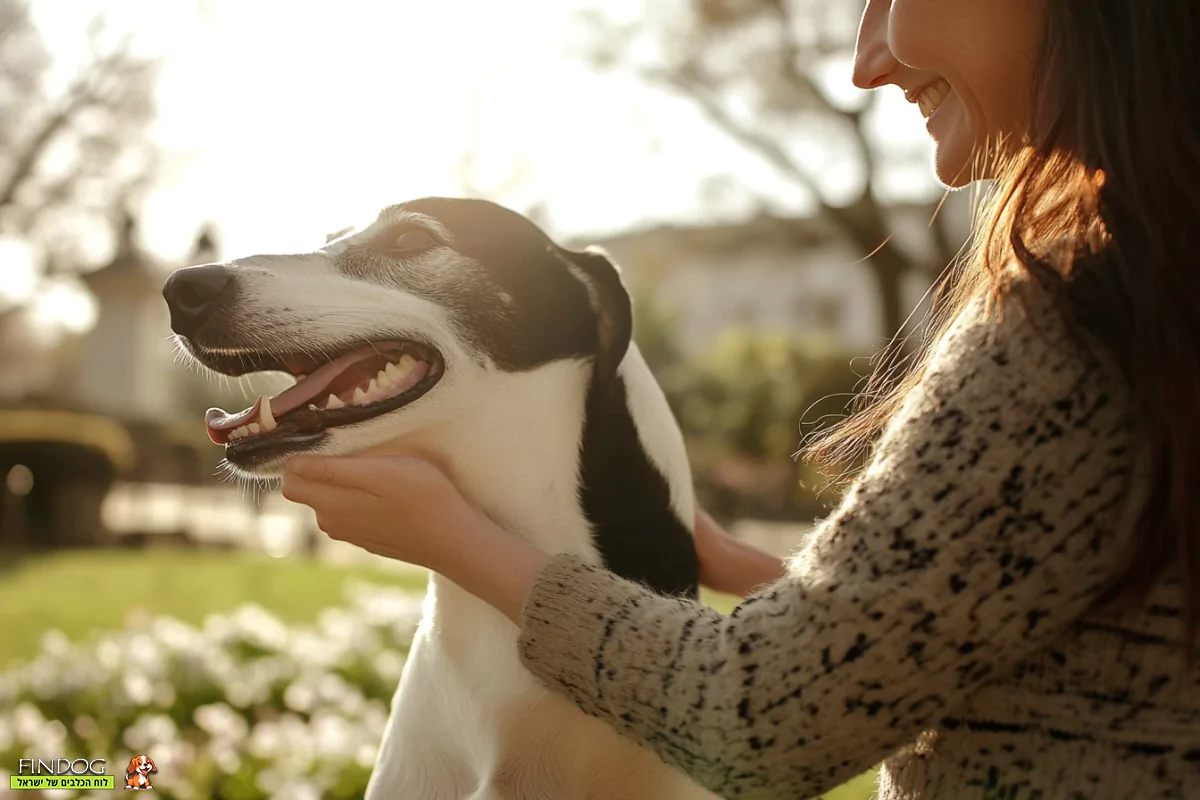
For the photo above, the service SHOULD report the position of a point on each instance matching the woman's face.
(968, 65)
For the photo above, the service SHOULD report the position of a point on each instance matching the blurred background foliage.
(747, 404)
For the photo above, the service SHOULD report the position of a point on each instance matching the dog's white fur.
(468, 722)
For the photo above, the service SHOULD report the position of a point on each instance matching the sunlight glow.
(294, 119)
(64, 306)
(18, 273)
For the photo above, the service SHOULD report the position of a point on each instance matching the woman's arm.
(987, 522)
(731, 566)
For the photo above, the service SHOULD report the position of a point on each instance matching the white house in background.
(125, 367)
(773, 275)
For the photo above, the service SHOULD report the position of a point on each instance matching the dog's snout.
(192, 293)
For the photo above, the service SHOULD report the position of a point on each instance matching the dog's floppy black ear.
(614, 309)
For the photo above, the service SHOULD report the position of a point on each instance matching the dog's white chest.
(470, 723)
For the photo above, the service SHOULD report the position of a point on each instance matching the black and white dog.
(458, 328)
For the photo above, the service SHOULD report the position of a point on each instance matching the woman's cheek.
(921, 33)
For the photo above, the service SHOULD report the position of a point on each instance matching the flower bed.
(242, 707)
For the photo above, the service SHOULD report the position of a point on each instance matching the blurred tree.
(758, 71)
(69, 146)
(755, 392)
(654, 331)
(745, 406)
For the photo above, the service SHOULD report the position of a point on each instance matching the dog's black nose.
(192, 293)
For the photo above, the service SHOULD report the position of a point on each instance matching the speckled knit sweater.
(942, 620)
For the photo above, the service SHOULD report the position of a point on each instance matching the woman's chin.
(952, 166)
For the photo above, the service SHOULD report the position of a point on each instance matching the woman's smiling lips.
(929, 96)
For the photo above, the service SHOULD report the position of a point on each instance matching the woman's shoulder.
(1023, 336)
(1013, 377)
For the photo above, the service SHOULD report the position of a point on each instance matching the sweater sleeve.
(989, 518)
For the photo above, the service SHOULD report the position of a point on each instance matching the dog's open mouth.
(353, 387)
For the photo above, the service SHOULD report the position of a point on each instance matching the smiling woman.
(968, 66)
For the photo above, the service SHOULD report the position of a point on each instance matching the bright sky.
(291, 120)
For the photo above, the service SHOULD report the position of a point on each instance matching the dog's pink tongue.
(220, 422)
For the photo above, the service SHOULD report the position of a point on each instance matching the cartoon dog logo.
(137, 774)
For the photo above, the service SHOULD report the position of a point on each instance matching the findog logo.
(137, 774)
(78, 774)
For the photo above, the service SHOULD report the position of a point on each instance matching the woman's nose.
(873, 59)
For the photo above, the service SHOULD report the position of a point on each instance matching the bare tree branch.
(36, 147)
(719, 52)
(101, 114)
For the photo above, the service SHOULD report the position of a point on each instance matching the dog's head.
(387, 328)
(140, 765)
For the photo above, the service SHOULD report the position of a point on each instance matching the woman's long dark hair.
(1102, 207)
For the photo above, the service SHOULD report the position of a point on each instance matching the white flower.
(150, 732)
(299, 696)
(137, 688)
(388, 664)
(333, 737)
(55, 643)
(225, 756)
(298, 789)
(269, 780)
(143, 652)
(332, 689)
(27, 721)
(84, 726)
(310, 649)
(365, 755)
(175, 635)
(254, 624)
(108, 652)
(8, 733)
(220, 721)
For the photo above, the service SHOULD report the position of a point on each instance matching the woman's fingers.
(322, 498)
(367, 474)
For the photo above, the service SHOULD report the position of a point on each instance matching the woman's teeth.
(931, 97)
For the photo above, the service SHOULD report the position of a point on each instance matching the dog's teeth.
(392, 373)
(334, 402)
(373, 387)
(312, 407)
(264, 414)
(405, 365)
(383, 378)
(359, 397)
(255, 428)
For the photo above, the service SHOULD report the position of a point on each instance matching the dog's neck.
(539, 445)
(513, 453)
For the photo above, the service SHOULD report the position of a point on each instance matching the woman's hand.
(406, 508)
(731, 566)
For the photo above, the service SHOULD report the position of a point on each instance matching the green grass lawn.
(83, 592)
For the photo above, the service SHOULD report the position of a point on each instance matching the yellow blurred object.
(89, 430)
